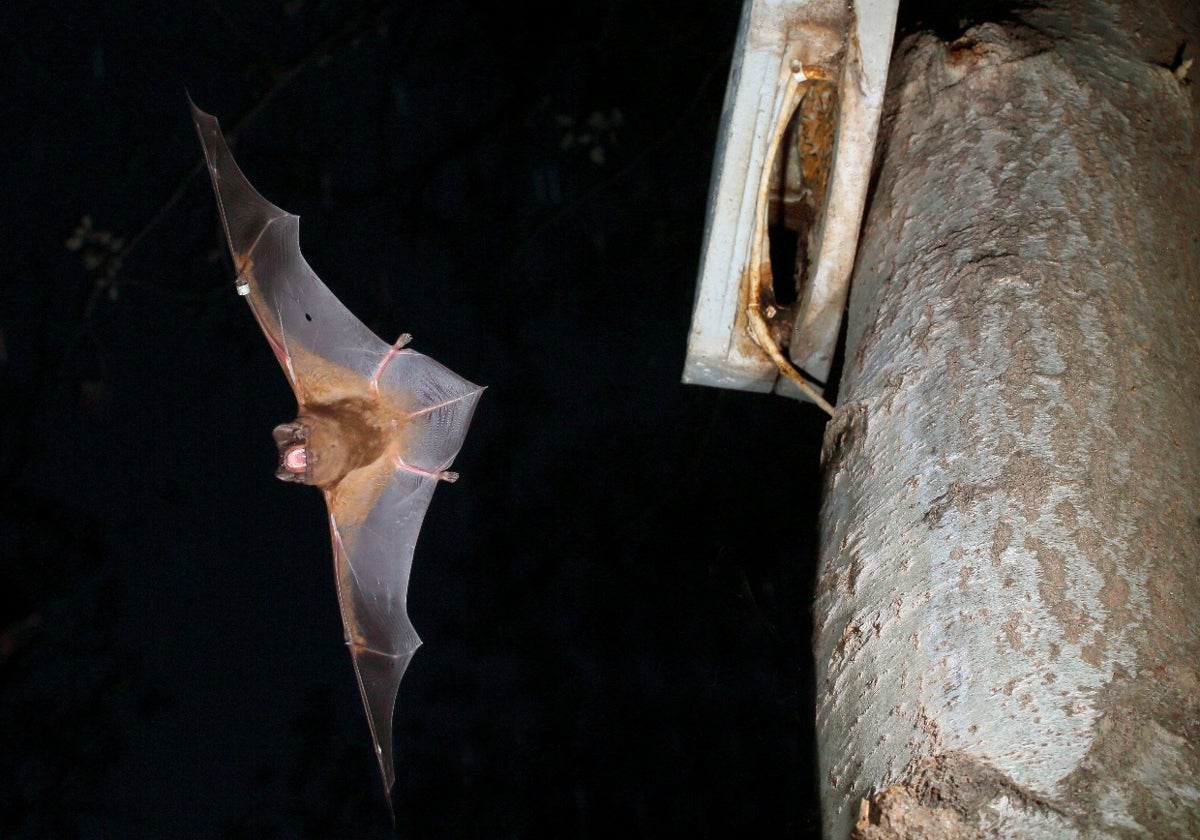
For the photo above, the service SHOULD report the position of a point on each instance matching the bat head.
(296, 462)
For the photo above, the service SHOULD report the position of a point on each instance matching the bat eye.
(307, 317)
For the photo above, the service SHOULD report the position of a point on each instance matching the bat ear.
(289, 434)
(283, 474)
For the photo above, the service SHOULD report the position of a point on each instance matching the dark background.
(614, 598)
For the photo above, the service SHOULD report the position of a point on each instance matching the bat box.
(789, 183)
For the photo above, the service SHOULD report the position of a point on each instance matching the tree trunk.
(1007, 629)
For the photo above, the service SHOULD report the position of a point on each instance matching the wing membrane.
(302, 319)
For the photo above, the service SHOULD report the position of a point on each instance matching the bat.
(376, 429)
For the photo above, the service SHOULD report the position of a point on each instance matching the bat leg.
(441, 475)
(403, 340)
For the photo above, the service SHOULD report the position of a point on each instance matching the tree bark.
(1006, 628)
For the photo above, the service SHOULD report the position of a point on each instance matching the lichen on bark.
(1010, 532)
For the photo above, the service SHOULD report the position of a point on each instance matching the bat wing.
(373, 561)
(375, 516)
(400, 418)
(305, 323)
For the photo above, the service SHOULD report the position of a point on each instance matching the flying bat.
(377, 428)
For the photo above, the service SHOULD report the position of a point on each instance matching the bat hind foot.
(440, 475)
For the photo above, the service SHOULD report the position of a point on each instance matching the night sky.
(615, 596)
